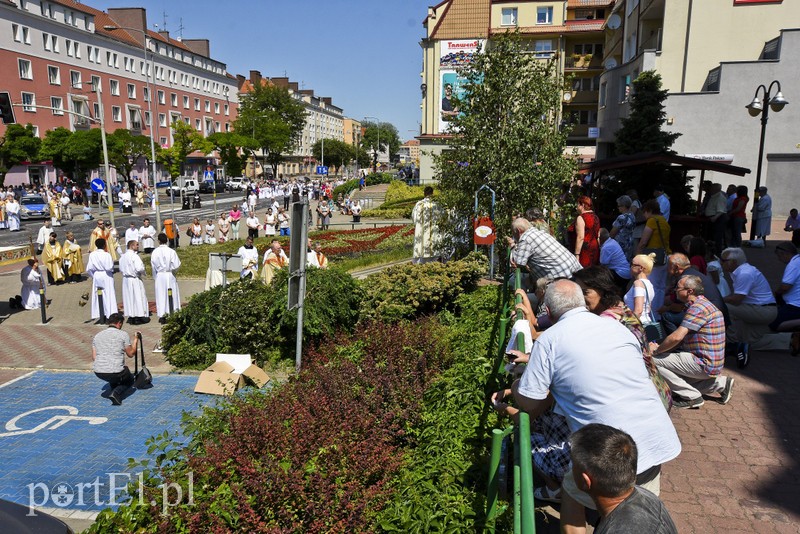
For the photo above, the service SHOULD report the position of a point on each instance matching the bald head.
(562, 296)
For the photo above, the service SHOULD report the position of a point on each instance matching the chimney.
(240, 81)
(198, 46)
(255, 77)
(280, 82)
(129, 17)
(164, 34)
(294, 86)
(328, 100)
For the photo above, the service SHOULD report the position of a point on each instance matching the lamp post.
(150, 112)
(378, 125)
(759, 107)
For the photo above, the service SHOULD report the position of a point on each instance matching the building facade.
(67, 56)
(352, 131)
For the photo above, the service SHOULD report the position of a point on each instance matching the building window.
(173, 97)
(508, 16)
(28, 101)
(186, 120)
(227, 109)
(116, 113)
(54, 75)
(114, 87)
(197, 125)
(35, 130)
(161, 98)
(57, 103)
(544, 15)
(543, 48)
(588, 48)
(75, 79)
(208, 106)
(131, 91)
(603, 89)
(25, 71)
(162, 120)
(147, 118)
(95, 83)
(46, 41)
(197, 104)
(96, 107)
(216, 108)
(146, 94)
(16, 32)
(186, 102)
(163, 142)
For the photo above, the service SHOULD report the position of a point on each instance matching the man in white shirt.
(252, 225)
(147, 237)
(592, 369)
(44, 236)
(249, 255)
(165, 262)
(100, 267)
(613, 257)
(131, 234)
(134, 297)
(751, 306)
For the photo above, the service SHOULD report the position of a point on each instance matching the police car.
(34, 207)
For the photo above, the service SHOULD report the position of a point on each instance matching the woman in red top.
(738, 215)
(587, 230)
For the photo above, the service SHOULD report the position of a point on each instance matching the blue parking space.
(63, 445)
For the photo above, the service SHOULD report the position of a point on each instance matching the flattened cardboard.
(256, 375)
(229, 373)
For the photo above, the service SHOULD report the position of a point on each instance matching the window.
(112, 59)
(543, 48)
(163, 142)
(116, 113)
(131, 91)
(186, 120)
(75, 79)
(586, 84)
(147, 118)
(26, 35)
(216, 107)
(197, 125)
(589, 48)
(146, 94)
(46, 41)
(35, 130)
(69, 17)
(588, 117)
(603, 90)
(96, 107)
(197, 104)
(57, 103)
(161, 97)
(95, 83)
(508, 16)
(173, 100)
(162, 120)
(227, 110)
(70, 47)
(208, 106)
(186, 102)
(56, 48)
(544, 15)
(114, 87)
(28, 101)
(54, 75)
(16, 33)
(25, 71)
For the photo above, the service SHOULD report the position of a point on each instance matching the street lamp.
(378, 125)
(150, 112)
(755, 108)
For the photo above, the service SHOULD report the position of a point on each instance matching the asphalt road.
(82, 229)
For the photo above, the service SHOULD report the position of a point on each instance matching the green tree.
(509, 137)
(362, 157)
(185, 140)
(642, 132)
(53, 147)
(274, 118)
(125, 150)
(233, 149)
(17, 145)
(84, 152)
(337, 153)
(380, 137)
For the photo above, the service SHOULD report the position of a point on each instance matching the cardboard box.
(229, 373)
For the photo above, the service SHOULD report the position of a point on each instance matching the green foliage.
(274, 118)
(17, 145)
(510, 135)
(337, 153)
(372, 179)
(84, 151)
(125, 150)
(399, 191)
(251, 317)
(407, 291)
(185, 140)
(229, 145)
(389, 213)
(380, 137)
(53, 146)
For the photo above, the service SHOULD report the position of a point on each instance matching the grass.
(374, 258)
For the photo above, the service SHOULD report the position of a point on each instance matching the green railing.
(523, 505)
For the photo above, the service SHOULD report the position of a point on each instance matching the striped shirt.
(706, 338)
(110, 346)
(544, 255)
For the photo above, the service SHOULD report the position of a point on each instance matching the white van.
(184, 184)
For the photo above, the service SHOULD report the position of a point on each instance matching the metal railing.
(523, 502)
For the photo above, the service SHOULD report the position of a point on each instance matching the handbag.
(660, 253)
(653, 330)
(142, 379)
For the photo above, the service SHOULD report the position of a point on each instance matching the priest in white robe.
(427, 237)
(134, 298)
(249, 255)
(165, 262)
(101, 268)
(32, 281)
(12, 213)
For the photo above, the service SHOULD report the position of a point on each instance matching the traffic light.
(6, 111)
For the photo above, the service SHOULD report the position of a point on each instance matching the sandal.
(546, 494)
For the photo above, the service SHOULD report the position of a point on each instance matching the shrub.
(390, 213)
(408, 290)
(372, 179)
(399, 191)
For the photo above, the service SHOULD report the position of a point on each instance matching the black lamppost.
(759, 107)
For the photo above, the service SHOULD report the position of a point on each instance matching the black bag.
(653, 330)
(142, 379)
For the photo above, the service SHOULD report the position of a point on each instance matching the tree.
(641, 132)
(274, 118)
(84, 151)
(380, 137)
(232, 149)
(125, 149)
(337, 153)
(185, 140)
(53, 146)
(509, 135)
(17, 145)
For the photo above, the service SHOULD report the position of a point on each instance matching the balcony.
(583, 97)
(580, 4)
(80, 123)
(136, 127)
(578, 62)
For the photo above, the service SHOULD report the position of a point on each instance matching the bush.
(251, 317)
(391, 213)
(407, 291)
(372, 179)
(399, 191)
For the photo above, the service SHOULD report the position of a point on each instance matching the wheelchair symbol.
(51, 424)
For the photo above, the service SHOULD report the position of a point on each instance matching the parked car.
(34, 207)
(185, 184)
(237, 183)
(211, 186)
(17, 519)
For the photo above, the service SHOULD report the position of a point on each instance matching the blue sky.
(364, 54)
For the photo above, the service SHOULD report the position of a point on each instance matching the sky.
(364, 54)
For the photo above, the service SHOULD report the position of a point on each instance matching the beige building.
(352, 131)
(567, 31)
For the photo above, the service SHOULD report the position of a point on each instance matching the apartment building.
(65, 56)
(352, 131)
(569, 32)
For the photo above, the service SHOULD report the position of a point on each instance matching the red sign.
(484, 231)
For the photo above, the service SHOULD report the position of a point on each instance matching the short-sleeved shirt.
(640, 512)
(706, 337)
(748, 281)
(544, 255)
(791, 276)
(613, 257)
(110, 346)
(594, 369)
(660, 227)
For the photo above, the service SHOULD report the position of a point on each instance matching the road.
(82, 229)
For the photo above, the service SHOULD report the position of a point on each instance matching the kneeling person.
(109, 349)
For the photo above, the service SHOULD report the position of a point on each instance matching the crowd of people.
(620, 328)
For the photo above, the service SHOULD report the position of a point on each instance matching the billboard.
(452, 56)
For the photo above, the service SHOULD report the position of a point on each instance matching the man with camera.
(109, 349)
